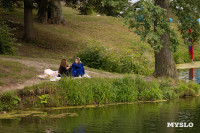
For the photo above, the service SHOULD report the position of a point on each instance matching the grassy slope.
(80, 29)
(14, 72)
(58, 41)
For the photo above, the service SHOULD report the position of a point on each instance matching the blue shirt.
(77, 70)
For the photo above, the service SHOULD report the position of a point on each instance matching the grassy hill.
(58, 41)
(80, 29)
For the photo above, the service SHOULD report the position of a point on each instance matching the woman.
(64, 69)
(77, 68)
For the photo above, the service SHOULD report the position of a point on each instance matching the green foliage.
(108, 8)
(85, 9)
(182, 56)
(126, 90)
(8, 101)
(70, 92)
(44, 98)
(189, 89)
(114, 60)
(150, 23)
(148, 91)
(187, 12)
(6, 39)
(7, 4)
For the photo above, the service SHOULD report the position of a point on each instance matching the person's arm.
(68, 67)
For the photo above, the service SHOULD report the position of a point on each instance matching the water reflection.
(133, 118)
(190, 74)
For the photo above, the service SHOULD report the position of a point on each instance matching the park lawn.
(14, 72)
(58, 41)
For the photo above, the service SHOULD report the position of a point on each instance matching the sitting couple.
(76, 70)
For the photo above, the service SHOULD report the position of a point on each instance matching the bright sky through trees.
(134, 1)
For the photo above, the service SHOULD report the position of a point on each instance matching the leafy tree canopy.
(151, 21)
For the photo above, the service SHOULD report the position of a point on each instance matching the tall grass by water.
(74, 92)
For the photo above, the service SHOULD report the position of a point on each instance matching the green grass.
(14, 72)
(73, 92)
(66, 41)
(58, 41)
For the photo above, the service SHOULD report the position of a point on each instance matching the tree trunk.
(51, 14)
(28, 20)
(164, 61)
(42, 11)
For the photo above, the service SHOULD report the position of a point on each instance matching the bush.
(85, 9)
(9, 100)
(182, 56)
(189, 89)
(97, 56)
(6, 39)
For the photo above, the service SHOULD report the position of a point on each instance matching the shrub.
(85, 9)
(9, 100)
(97, 56)
(189, 89)
(182, 56)
(6, 39)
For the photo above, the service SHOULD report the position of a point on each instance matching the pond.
(190, 74)
(125, 118)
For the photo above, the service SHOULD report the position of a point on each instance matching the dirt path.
(195, 64)
(40, 67)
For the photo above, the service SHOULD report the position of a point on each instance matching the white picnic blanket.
(53, 75)
(50, 74)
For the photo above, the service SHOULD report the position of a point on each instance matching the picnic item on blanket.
(53, 75)
(50, 74)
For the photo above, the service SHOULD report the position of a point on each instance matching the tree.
(152, 24)
(28, 20)
(7, 41)
(7, 4)
(164, 61)
(50, 11)
(86, 7)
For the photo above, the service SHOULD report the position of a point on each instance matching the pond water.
(128, 118)
(190, 74)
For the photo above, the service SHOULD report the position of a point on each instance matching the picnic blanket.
(53, 75)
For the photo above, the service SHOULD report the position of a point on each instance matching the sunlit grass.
(14, 72)
(67, 40)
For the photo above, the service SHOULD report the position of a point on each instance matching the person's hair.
(79, 60)
(63, 63)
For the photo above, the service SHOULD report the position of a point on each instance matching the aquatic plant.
(44, 98)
